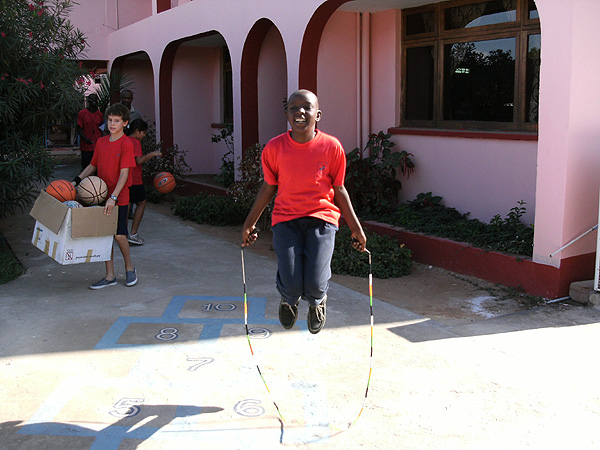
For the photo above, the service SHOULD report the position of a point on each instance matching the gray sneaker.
(316, 316)
(103, 283)
(130, 278)
(287, 314)
(135, 239)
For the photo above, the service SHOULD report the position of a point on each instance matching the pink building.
(458, 83)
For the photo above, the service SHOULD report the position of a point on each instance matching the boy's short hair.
(137, 125)
(119, 110)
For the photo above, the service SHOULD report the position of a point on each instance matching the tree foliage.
(39, 49)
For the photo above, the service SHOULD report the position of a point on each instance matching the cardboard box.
(72, 235)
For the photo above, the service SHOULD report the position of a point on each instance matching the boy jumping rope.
(113, 158)
(137, 193)
(306, 168)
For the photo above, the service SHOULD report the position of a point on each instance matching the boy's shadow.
(144, 421)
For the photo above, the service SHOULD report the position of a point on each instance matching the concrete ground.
(166, 364)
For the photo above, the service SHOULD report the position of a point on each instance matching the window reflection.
(532, 89)
(480, 14)
(419, 82)
(479, 80)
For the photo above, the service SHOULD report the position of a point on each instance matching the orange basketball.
(164, 182)
(61, 190)
(92, 190)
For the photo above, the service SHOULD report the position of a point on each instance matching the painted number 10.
(218, 307)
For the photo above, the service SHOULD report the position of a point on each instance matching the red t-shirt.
(109, 158)
(90, 124)
(136, 172)
(305, 175)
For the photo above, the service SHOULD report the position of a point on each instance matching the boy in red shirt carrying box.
(306, 168)
(113, 158)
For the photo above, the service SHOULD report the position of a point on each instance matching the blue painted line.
(212, 326)
(184, 428)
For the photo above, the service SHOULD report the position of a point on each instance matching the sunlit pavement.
(166, 364)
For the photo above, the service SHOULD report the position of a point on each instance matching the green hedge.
(210, 209)
(389, 258)
(507, 235)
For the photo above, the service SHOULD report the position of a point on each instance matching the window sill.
(469, 134)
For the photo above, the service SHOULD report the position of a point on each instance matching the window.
(471, 64)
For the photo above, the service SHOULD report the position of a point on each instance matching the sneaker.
(287, 314)
(135, 239)
(130, 278)
(104, 283)
(316, 316)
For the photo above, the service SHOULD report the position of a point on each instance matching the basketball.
(61, 190)
(92, 191)
(164, 182)
(72, 204)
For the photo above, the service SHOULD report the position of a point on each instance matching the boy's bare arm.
(342, 200)
(110, 203)
(264, 196)
(89, 170)
(142, 159)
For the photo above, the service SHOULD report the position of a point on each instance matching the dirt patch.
(436, 293)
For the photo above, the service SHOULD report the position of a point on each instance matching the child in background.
(113, 158)
(306, 168)
(137, 193)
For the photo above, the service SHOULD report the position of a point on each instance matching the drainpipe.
(366, 77)
(363, 84)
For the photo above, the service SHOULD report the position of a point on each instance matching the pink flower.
(31, 7)
(40, 12)
(3, 34)
(42, 85)
(31, 34)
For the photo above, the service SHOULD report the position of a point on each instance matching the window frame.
(520, 29)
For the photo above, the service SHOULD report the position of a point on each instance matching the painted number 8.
(167, 334)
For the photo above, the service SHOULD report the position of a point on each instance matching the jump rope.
(371, 351)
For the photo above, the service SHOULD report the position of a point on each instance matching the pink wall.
(272, 87)
(383, 70)
(131, 11)
(484, 177)
(140, 69)
(337, 79)
(90, 17)
(195, 80)
(569, 161)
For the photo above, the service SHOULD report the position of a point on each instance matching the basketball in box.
(72, 235)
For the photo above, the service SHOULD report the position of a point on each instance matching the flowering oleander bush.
(39, 71)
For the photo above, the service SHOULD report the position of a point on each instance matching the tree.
(39, 71)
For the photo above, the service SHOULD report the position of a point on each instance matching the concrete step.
(583, 292)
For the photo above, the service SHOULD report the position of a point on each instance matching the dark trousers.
(304, 248)
(86, 159)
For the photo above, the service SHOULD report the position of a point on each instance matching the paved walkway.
(165, 364)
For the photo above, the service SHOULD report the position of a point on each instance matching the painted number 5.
(126, 407)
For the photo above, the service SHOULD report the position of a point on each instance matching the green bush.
(250, 181)
(11, 266)
(40, 83)
(371, 174)
(507, 235)
(210, 209)
(226, 175)
(172, 159)
(389, 258)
